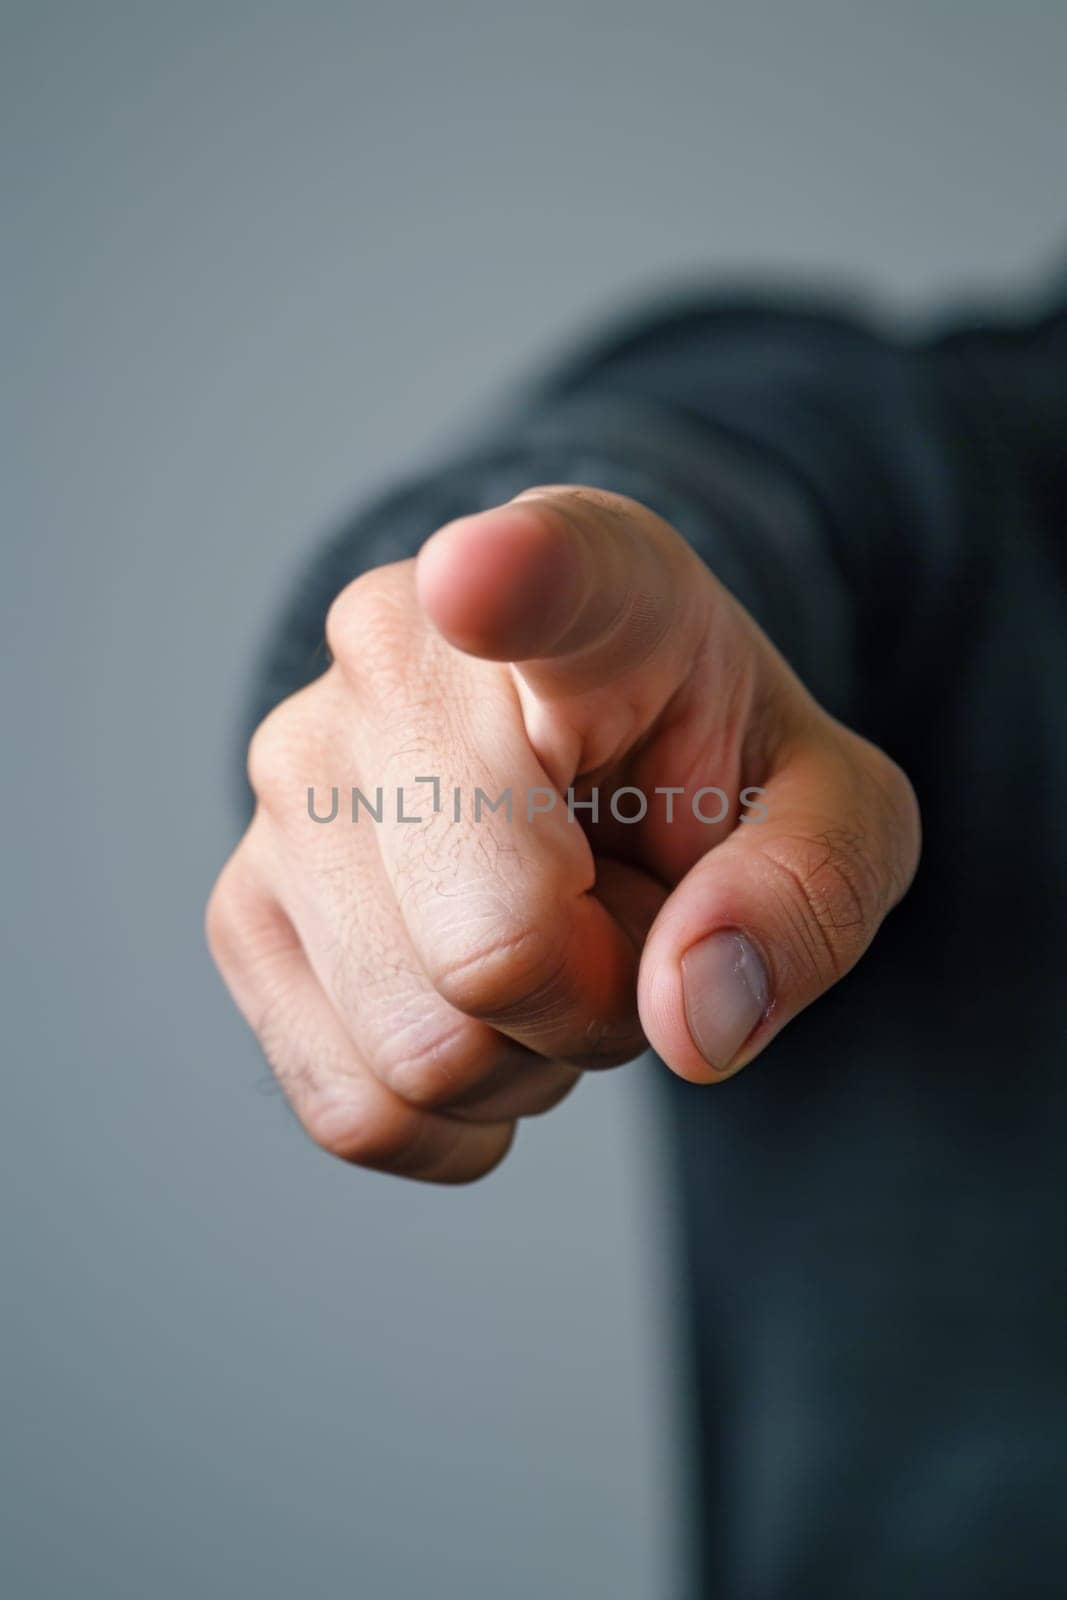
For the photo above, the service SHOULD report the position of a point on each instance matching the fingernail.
(725, 988)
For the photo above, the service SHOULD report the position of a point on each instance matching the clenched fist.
(556, 798)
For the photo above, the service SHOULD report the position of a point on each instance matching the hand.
(418, 986)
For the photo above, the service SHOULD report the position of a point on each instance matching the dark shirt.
(874, 1213)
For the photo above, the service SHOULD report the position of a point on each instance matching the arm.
(420, 989)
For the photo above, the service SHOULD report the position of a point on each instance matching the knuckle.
(220, 921)
(276, 752)
(370, 617)
(348, 1116)
(368, 1130)
(519, 974)
(441, 1067)
(350, 1128)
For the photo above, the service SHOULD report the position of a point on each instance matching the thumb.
(773, 916)
(597, 602)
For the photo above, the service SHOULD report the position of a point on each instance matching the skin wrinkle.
(820, 928)
(456, 973)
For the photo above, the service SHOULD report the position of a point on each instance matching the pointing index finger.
(577, 587)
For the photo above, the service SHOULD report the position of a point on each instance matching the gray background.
(262, 257)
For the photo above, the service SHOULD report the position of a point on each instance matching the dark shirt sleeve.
(856, 488)
(873, 1220)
